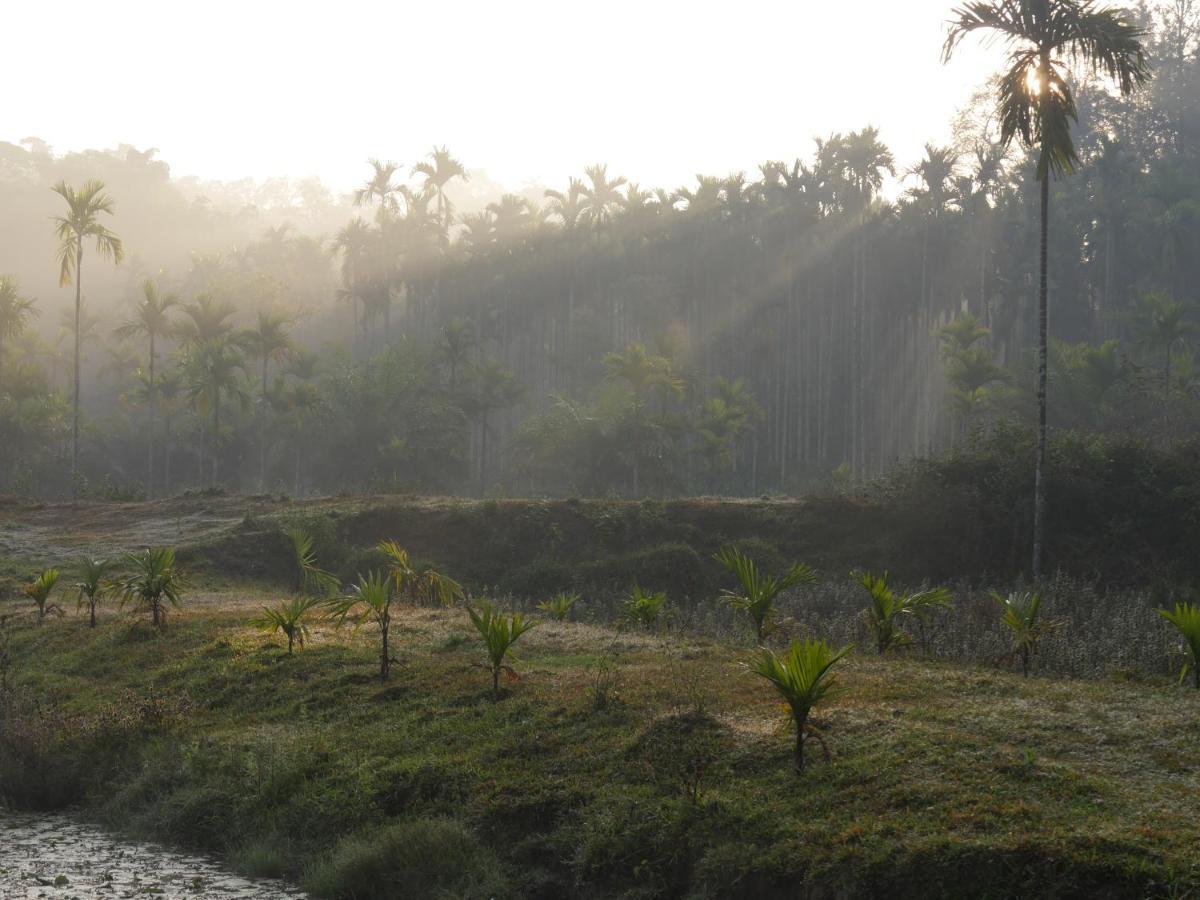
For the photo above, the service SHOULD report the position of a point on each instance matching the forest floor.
(619, 763)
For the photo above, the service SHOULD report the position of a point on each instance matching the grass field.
(620, 763)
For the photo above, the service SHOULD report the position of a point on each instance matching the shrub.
(642, 608)
(558, 606)
(419, 858)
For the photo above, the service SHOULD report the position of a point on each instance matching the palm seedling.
(887, 609)
(642, 608)
(91, 585)
(288, 616)
(559, 606)
(1021, 615)
(802, 678)
(499, 633)
(309, 576)
(370, 600)
(758, 591)
(39, 591)
(1186, 619)
(154, 584)
(418, 584)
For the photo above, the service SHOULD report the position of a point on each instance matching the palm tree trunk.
(483, 430)
(75, 395)
(216, 436)
(385, 656)
(262, 431)
(150, 429)
(1039, 475)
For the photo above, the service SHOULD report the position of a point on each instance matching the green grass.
(945, 780)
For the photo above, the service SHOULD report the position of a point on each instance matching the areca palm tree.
(641, 371)
(206, 318)
(354, 241)
(600, 197)
(82, 223)
(380, 190)
(1036, 106)
(494, 387)
(151, 320)
(439, 171)
(267, 341)
(214, 370)
(15, 312)
(1162, 326)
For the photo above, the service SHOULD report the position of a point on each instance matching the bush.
(417, 858)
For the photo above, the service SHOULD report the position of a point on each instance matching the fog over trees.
(762, 332)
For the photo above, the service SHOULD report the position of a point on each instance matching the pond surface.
(54, 856)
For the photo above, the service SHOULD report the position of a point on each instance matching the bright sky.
(526, 89)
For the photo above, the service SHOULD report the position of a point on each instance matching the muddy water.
(53, 856)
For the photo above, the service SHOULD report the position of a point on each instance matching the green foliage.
(887, 609)
(154, 583)
(643, 608)
(92, 586)
(759, 591)
(39, 591)
(418, 584)
(559, 606)
(802, 677)
(499, 633)
(415, 858)
(370, 600)
(1020, 614)
(309, 576)
(1186, 619)
(288, 616)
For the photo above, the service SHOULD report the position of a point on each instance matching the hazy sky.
(527, 90)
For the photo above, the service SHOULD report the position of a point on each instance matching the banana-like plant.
(759, 591)
(370, 600)
(642, 608)
(558, 606)
(91, 585)
(309, 576)
(1021, 614)
(1186, 619)
(39, 591)
(887, 609)
(802, 676)
(154, 584)
(288, 616)
(418, 584)
(499, 633)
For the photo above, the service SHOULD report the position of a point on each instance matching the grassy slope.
(945, 781)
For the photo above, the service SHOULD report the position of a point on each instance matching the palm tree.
(1021, 615)
(213, 370)
(887, 606)
(15, 313)
(759, 591)
(82, 223)
(1186, 619)
(379, 189)
(494, 388)
(154, 583)
(1162, 326)
(641, 371)
(440, 170)
(151, 319)
(354, 241)
(370, 600)
(600, 198)
(39, 591)
(802, 678)
(91, 585)
(1037, 107)
(268, 340)
(206, 318)
(499, 633)
(416, 583)
(289, 617)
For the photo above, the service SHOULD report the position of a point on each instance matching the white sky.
(526, 89)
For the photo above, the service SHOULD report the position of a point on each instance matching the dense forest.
(820, 318)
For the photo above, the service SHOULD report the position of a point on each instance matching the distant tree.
(493, 388)
(641, 372)
(213, 369)
(268, 341)
(150, 319)
(15, 313)
(440, 169)
(82, 223)
(1162, 326)
(1036, 105)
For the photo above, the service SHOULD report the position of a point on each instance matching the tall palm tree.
(641, 371)
(206, 319)
(150, 319)
(354, 241)
(380, 190)
(82, 223)
(1036, 106)
(494, 388)
(267, 341)
(214, 370)
(440, 170)
(601, 197)
(15, 313)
